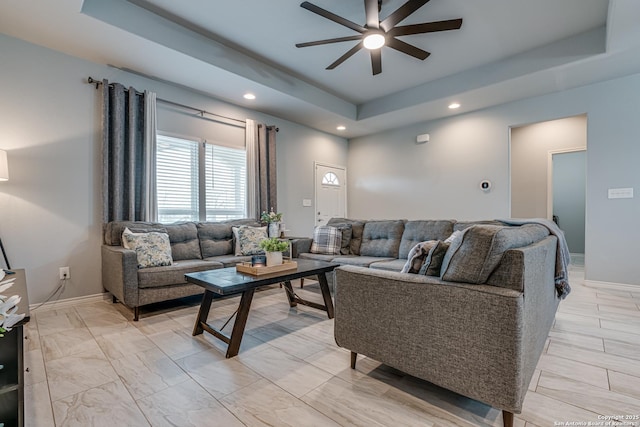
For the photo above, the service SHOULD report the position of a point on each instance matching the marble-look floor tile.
(631, 351)
(331, 359)
(625, 384)
(290, 373)
(158, 323)
(576, 328)
(178, 344)
(77, 373)
(265, 404)
(96, 308)
(67, 343)
(534, 380)
(56, 321)
(295, 344)
(217, 375)
(148, 372)
(596, 358)
(186, 404)
(104, 406)
(34, 367)
(601, 401)
(630, 325)
(593, 343)
(120, 344)
(37, 405)
(106, 323)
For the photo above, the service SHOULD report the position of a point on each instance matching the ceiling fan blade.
(376, 61)
(346, 56)
(327, 41)
(402, 12)
(371, 10)
(332, 16)
(403, 47)
(427, 27)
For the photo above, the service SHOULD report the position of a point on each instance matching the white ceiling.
(506, 50)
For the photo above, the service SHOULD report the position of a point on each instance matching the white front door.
(331, 192)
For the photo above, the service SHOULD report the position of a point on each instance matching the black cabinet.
(12, 361)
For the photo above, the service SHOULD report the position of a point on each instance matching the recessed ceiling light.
(454, 105)
(341, 127)
(249, 96)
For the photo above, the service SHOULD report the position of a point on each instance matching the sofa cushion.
(393, 265)
(152, 249)
(229, 260)
(417, 255)
(217, 238)
(421, 231)
(174, 274)
(381, 238)
(184, 240)
(326, 240)
(113, 230)
(357, 228)
(473, 257)
(432, 264)
(361, 261)
(346, 231)
(317, 257)
(462, 225)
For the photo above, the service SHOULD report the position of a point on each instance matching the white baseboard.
(69, 302)
(624, 286)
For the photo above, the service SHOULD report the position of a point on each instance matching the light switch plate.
(621, 193)
(306, 202)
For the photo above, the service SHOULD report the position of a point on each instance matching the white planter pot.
(274, 258)
(274, 229)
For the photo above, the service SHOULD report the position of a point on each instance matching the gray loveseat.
(478, 329)
(195, 246)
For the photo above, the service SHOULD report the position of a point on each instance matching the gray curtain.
(127, 150)
(266, 173)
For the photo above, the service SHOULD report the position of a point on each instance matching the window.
(330, 178)
(199, 181)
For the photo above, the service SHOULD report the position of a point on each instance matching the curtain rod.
(91, 80)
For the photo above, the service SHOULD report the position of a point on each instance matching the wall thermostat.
(485, 185)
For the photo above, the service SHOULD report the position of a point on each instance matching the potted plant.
(273, 248)
(272, 220)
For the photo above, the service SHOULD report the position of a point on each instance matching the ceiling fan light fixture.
(454, 105)
(249, 96)
(374, 41)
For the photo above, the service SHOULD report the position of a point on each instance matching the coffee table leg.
(240, 323)
(203, 313)
(289, 290)
(326, 294)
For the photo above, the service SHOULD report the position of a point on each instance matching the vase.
(274, 229)
(274, 258)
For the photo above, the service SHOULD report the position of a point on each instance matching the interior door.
(331, 192)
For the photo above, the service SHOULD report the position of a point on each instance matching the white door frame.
(315, 187)
(550, 154)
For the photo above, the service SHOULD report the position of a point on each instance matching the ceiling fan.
(375, 33)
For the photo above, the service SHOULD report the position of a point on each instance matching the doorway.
(536, 152)
(330, 192)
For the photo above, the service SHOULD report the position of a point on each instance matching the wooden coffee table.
(227, 281)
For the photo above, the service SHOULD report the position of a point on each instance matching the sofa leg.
(354, 355)
(136, 314)
(114, 299)
(507, 418)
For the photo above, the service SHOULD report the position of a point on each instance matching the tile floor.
(91, 365)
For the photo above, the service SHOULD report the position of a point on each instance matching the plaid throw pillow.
(326, 240)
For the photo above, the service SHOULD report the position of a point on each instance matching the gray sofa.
(478, 329)
(195, 246)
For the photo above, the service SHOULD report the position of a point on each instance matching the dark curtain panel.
(267, 185)
(123, 154)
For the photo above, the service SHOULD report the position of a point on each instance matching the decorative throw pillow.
(433, 262)
(153, 249)
(345, 238)
(417, 255)
(326, 240)
(249, 239)
(237, 248)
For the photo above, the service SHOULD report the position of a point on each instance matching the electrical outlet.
(64, 273)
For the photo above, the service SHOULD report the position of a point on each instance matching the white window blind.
(199, 181)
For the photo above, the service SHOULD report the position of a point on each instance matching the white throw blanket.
(563, 257)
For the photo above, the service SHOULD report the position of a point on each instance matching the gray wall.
(530, 147)
(569, 197)
(390, 176)
(50, 126)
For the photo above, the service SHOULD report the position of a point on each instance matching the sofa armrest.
(120, 273)
(300, 246)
